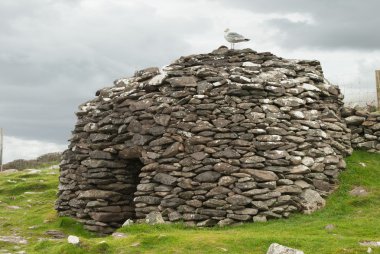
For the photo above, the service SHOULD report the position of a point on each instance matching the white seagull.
(233, 37)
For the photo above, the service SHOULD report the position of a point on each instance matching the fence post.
(378, 88)
(1, 149)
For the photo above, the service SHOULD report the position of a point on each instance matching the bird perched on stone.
(233, 37)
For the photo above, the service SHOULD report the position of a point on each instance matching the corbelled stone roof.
(218, 138)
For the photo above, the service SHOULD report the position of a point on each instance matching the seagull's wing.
(235, 36)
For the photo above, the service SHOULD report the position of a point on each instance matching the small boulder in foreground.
(276, 248)
(73, 239)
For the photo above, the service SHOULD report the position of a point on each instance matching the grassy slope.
(355, 219)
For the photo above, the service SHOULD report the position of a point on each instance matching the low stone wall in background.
(365, 128)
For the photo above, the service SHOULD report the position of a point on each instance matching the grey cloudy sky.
(56, 53)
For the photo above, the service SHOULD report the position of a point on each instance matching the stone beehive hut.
(218, 138)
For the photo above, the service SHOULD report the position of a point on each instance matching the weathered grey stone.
(162, 119)
(174, 216)
(102, 164)
(72, 239)
(13, 239)
(259, 218)
(146, 186)
(172, 202)
(367, 145)
(211, 212)
(203, 87)
(247, 211)
(226, 180)
(331, 159)
(99, 194)
(225, 222)
(322, 185)
(208, 176)
(358, 192)
(299, 169)
(302, 184)
(308, 161)
(186, 81)
(276, 248)
(227, 153)
(156, 130)
(311, 201)
(165, 179)
(214, 203)
(354, 120)
(275, 154)
(289, 189)
(201, 125)
(140, 140)
(240, 142)
(107, 216)
(269, 138)
(218, 191)
(172, 150)
(148, 200)
(239, 217)
(127, 223)
(261, 175)
(268, 145)
(289, 102)
(98, 137)
(198, 156)
(246, 185)
(56, 234)
(161, 141)
(134, 126)
(154, 218)
(141, 105)
(254, 192)
(317, 133)
(220, 122)
(96, 203)
(197, 140)
(207, 223)
(252, 159)
(267, 196)
(194, 203)
(225, 168)
(194, 217)
(131, 152)
(238, 200)
(376, 127)
(101, 155)
(150, 167)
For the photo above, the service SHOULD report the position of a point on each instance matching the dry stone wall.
(365, 128)
(219, 138)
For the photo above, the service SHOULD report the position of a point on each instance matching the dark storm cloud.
(56, 54)
(338, 24)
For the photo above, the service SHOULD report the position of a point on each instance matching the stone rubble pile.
(365, 128)
(212, 139)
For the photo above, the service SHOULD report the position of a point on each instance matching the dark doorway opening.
(132, 179)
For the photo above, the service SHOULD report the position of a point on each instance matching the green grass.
(355, 219)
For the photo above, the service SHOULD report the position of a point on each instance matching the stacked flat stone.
(365, 128)
(211, 139)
